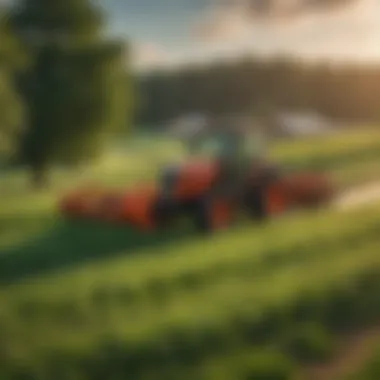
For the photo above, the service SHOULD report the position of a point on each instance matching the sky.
(167, 33)
(172, 32)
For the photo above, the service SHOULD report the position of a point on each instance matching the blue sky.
(162, 22)
(167, 32)
(170, 32)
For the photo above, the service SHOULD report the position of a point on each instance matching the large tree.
(11, 109)
(75, 86)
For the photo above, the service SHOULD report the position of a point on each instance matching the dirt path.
(358, 196)
(354, 351)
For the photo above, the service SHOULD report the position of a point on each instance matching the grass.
(143, 301)
(71, 293)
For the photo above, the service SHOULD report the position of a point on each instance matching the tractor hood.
(195, 178)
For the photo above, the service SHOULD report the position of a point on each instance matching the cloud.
(232, 22)
(290, 9)
(347, 29)
(148, 55)
(340, 32)
(235, 19)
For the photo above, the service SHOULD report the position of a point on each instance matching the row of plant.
(252, 260)
(296, 328)
(251, 310)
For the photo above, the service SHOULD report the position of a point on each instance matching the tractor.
(208, 190)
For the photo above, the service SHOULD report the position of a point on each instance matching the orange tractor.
(193, 193)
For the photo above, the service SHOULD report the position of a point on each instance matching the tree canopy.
(11, 107)
(75, 86)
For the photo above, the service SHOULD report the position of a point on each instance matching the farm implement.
(206, 189)
(148, 207)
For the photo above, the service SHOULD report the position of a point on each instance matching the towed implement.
(227, 178)
(194, 194)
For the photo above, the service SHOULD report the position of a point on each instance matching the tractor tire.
(255, 203)
(211, 214)
(164, 212)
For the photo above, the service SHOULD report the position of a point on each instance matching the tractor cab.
(221, 154)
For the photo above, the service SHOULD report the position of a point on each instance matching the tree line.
(349, 92)
(64, 86)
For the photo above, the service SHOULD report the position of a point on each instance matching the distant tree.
(75, 88)
(344, 91)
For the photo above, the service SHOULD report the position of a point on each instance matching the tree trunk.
(39, 177)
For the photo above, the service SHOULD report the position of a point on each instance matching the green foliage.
(11, 116)
(263, 86)
(269, 366)
(75, 89)
(249, 308)
(260, 363)
(11, 107)
(13, 57)
(309, 343)
(70, 19)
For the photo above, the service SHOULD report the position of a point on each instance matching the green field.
(87, 301)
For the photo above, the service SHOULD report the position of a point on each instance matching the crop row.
(188, 268)
(180, 258)
(161, 290)
(337, 305)
(251, 304)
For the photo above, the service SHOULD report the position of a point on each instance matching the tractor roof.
(196, 125)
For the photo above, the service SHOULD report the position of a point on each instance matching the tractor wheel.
(266, 200)
(164, 212)
(213, 214)
(255, 203)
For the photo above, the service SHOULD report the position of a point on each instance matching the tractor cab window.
(214, 145)
(228, 144)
